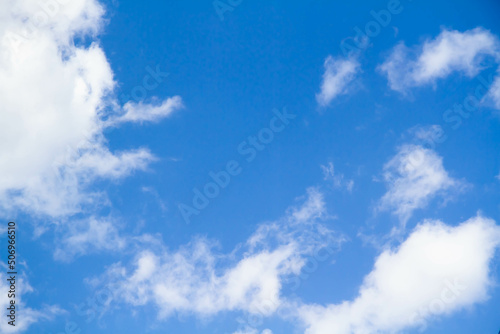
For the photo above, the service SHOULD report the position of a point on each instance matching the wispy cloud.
(197, 279)
(337, 180)
(339, 73)
(414, 176)
(88, 236)
(146, 112)
(494, 92)
(253, 331)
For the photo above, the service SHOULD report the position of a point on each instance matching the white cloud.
(414, 176)
(253, 331)
(247, 331)
(337, 180)
(99, 162)
(197, 279)
(494, 92)
(436, 59)
(55, 98)
(89, 235)
(338, 74)
(438, 270)
(140, 112)
(428, 135)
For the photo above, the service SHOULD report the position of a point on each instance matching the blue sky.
(244, 168)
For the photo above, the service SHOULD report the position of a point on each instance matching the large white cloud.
(414, 176)
(438, 270)
(437, 58)
(339, 73)
(197, 279)
(55, 96)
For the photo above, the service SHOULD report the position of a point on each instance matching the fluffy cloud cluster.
(58, 98)
(414, 176)
(435, 59)
(55, 95)
(405, 68)
(196, 279)
(438, 270)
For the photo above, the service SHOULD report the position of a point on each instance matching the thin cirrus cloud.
(89, 235)
(339, 73)
(196, 279)
(414, 176)
(437, 271)
(253, 331)
(451, 51)
(337, 180)
(494, 92)
(57, 94)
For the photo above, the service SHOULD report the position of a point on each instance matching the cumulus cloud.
(435, 59)
(55, 98)
(438, 270)
(338, 74)
(197, 279)
(414, 176)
